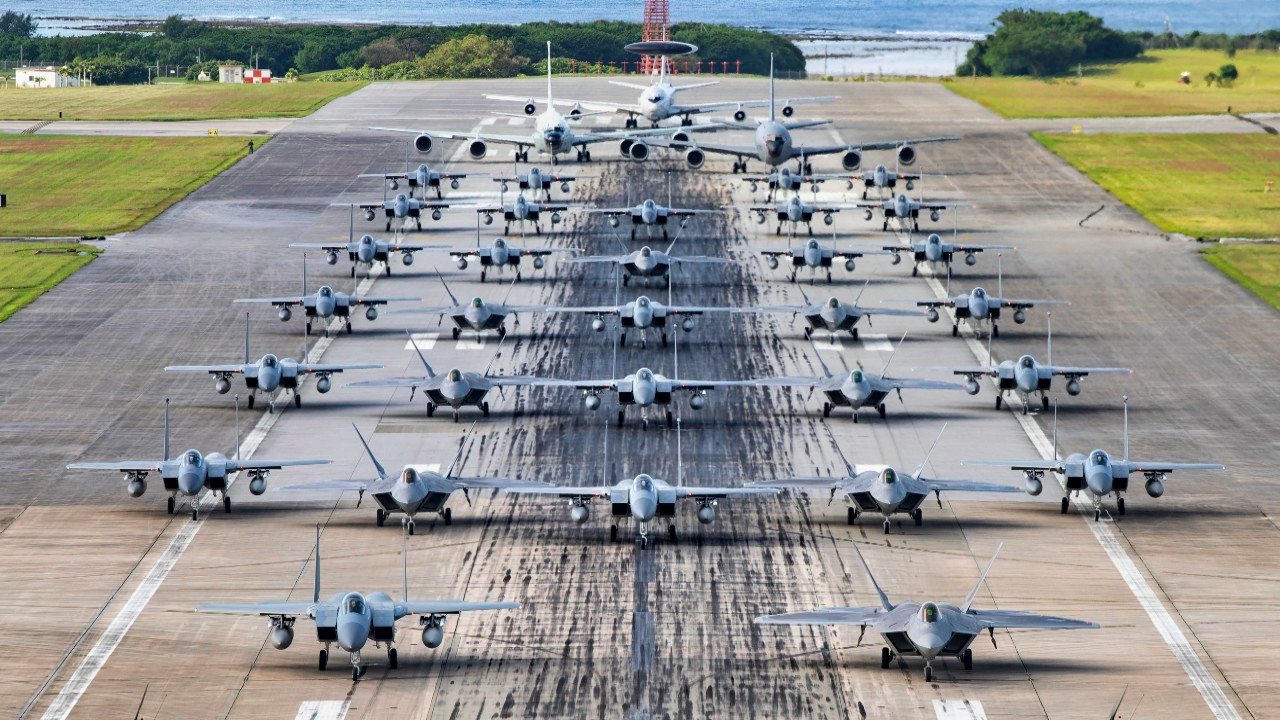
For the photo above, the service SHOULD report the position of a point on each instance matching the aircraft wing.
(825, 616)
(799, 483)
(957, 248)
(382, 300)
(699, 259)
(329, 486)
(887, 311)
(709, 384)
(738, 150)
(695, 310)
(447, 607)
(142, 465)
(595, 491)
(331, 247)
(1023, 303)
(710, 492)
(597, 309)
(233, 465)
(587, 138)
(610, 211)
(727, 105)
(274, 300)
(513, 309)
(684, 212)
(214, 369)
(260, 608)
(937, 485)
(598, 259)
(1024, 619)
(1053, 465)
(1082, 371)
(895, 144)
(789, 381)
(527, 381)
(390, 382)
(331, 368)
(918, 384)
(970, 371)
(584, 104)
(1162, 466)
(501, 483)
(525, 140)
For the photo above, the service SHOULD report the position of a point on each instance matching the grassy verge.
(1200, 185)
(177, 101)
(30, 269)
(63, 185)
(1146, 86)
(1255, 266)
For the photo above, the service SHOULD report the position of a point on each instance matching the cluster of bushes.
(1266, 40)
(1037, 43)
(315, 48)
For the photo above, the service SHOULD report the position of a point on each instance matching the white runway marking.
(472, 343)
(959, 710)
(515, 121)
(429, 468)
(831, 344)
(322, 710)
(101, 651)
(877, 343)
(489, 121)
(424, 341)
(1205, 683)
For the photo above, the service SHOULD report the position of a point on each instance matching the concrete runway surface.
(98, 587)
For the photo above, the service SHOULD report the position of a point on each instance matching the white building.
(38, 77)
(231, 74)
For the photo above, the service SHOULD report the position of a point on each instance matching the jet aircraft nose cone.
(1099, 482)
(928, 642)
(352, 634)
(190, 481)
(644, 508)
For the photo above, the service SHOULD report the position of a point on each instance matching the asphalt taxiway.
(99, 586)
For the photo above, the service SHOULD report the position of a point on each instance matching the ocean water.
(845, 18)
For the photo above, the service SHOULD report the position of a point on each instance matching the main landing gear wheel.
(886, 657)
(410, 525)
(455, 415)
(348, 327)
(915, 271)
(613, 533)
(671, 421)
(381, 517)
(664, 339)
(324, 660)
(1120, 506)
(955, 330)
(622, 340)
(995, 330)
(880, 409)
(1097, 515)
(1065, 504)
(621, 417)
(854, 332)
(502, 331)
(966, 658)
(226, 504)
(308, 327)
(826, 410)
(483, 275)
(172, 503)
(431, 409)
(353, 271)
(853, 516)
(251, 398)
(1044, 402)
(999, 401)
(808, 332)
(456, 333)
(484, 408)
(886, 526)
(392, 661)
(642, 542)
(297, 400)
(918, 516)
(195, 512)
(626, 280)
(448, 516)
(671, 532)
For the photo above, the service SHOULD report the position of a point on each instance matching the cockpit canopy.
(1027, 362)
(477, 303)
(649, 203)
(833, 303)
(856, 376)
(813, 244)
(929, 613)
(192, 458)
(455, 375)
(410, 476)
(1099, 458)
(645, 374)
(269, 361)
(646, 252)
(326, 291)
(355, 604)
(644, 482)
(366, 240)
(642, 301)
(890, 477)
(979, 292)
(499, 243)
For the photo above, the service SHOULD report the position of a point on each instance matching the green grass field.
(30, 269)
(178, 101)
(64, 185)
(1255, 266)
(1199, 185)
(1146, 86)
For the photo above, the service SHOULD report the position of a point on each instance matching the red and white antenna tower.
(657, 26)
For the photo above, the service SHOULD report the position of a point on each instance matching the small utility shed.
(41, 77)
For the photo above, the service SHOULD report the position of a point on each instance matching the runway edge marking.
(1205, 684)
(97, 657)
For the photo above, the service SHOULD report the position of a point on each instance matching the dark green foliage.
(1266, 40)
(1031, 42)
(110, 70)
(310, 48)
(17, 25)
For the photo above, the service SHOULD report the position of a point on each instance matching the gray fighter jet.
(270, 374)
(649, 214)
(194, 471)
(882, 178)
(421, 178)
(815, 256)
(785, 179)
(1099, 474)
(906, 211)
(456, 388)
(1026, 376)
(522, 210)
(326, 304)
(644, 498)
(832, 315)
(648, 263)
(882, 489)
(796, 212)
(351, 620)
(927, 630)
(402, 210)
(644, 315)
(857, 389)
(552, 135)
(366, 251)
(500, 254)
(539, 181)
(477, 314)
(934, 249)
(774, 146)
(978, 306)
(645, 389)
(414, 490)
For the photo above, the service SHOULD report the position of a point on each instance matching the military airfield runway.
(99, 586)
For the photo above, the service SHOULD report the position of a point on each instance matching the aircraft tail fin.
(304, 274)
(825, 370)
(382, 472)
(805, 296)
(404, 556)
(773, 117)
(968, 600)
(1126, 428)
(929, 452)
(166, 428)
(884, 599)
(1000, 275)
(1115, 712)
(315, 583)
(351, 223)
(447, 291)
(237, 445)
(550, 100)
(848, 466)
(496, 352)
(1055, 432)
(507, 294)
(858, 297)
(430, 371)
(246, 338)
(461, 446)
(1048, 317)
(896, 348)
